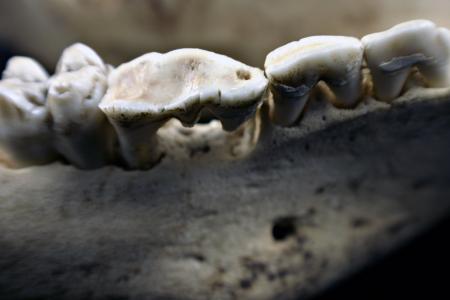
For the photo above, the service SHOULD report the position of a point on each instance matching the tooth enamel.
(82, 133)
(25, 135)
(78, 56)
(25, 69)
(144, 93)
(392, 53)
(294, 69)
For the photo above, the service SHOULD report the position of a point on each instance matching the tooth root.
(153, 88)
(138, 142)
(392, 53)
(348, 92)
(232, 118)
(294, 69)
(389, 86)
(288, 103)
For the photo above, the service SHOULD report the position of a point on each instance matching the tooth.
(25, 134)
(392, 53)
(144, 93)
(24, 68)
(78, 56)
(82, 133)
(295, 68)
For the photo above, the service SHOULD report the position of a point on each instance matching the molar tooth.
(25, 69)
(25, 134)
(295, 68)
(392, 53)
(78, 56)
(82, 133)
(144, 93)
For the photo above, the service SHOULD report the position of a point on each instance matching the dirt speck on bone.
(260, 227)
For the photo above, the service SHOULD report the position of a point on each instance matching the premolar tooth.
(26, 69)
(294, 69)
(392, 53)
(25, 134)
(144, 93)
(82, 133)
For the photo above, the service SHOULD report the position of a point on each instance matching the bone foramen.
(144, 93)
(82, 133)
(392, 53)
(294, 69)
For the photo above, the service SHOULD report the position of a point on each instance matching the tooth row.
(92, 114)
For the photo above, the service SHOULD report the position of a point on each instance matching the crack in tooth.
(391, 54)
(295, 69)
(144, 93)
(82, 133)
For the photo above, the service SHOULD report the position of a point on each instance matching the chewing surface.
(92, 114)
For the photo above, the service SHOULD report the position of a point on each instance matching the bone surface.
(207, 230)
(25, 133)
(392, 53)
(82, 133)
(295, 69)
(144, 93)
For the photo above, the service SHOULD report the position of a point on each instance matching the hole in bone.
(284, 227)
(243, 74)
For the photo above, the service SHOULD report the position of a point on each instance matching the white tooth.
(392, 53)
(82, 133)
(25, 134)
(25, 69)
(144, 93)
(78, 56)
(294, 69)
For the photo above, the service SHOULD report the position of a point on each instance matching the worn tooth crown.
(25, 135)
(24, 68)
(82, 133)
(145, 92)
(294, 69)
(391, 54)
(78, 56)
